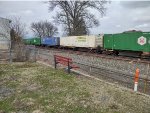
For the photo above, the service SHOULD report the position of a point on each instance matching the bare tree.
(17, 33)
(13, 31)
(75, 15)
(18, 29)
(44, 28)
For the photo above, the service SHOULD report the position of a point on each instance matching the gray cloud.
(143, 19)
(121, 15)
(135, 4)
(29, 11)
(120, 18)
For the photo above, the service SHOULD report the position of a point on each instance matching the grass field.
(35, 88)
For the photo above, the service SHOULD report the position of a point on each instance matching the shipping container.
(5, 42)
(35, 41)
(27, 41)
(132, 41)
(50, 41)
(82, 41)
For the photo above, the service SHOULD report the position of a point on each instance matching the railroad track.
(110, 74)
(125, 80)
(85, 53)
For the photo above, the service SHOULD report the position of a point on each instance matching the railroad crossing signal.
(141, 40)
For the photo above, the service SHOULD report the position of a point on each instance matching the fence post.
(136, 78)
(68, 66)
(90, 69)
(10, 52)
(10, 56)
(55, 63)
(146, 79)
(34, 54)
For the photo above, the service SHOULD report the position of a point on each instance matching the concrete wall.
(4, 33)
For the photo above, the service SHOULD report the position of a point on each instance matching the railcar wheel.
(98, 50)
(116, 53)
(75, 49)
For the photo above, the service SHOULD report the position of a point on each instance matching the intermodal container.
(50, 41)
(133, 41)
(82, 41)
(27, 41)
(35, 41)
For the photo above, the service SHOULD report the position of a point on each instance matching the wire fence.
(18, 52)
(112, 75)
(116, 76)
(123, 78)
(4, 55)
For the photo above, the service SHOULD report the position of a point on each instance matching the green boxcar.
(27, 41)
(132, 41)
(36, 41)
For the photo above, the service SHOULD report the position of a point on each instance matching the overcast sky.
(120, 15)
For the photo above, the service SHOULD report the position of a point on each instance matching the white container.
(4, 33)
(82, 41)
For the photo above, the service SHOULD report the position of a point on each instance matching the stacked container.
(50, 41)
(132, 41)
(82, 41)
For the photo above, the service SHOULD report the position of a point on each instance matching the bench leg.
(55, 63)
(68, 67)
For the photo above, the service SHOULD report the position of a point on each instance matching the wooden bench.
(64, 61)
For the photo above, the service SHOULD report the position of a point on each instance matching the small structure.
(5, 40)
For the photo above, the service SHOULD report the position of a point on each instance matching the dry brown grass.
(31, 87)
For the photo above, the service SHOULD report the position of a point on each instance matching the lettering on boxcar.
(81, 39)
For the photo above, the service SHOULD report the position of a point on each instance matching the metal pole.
(10, 54)
(90, 69)
(146, 79)
(34, 54)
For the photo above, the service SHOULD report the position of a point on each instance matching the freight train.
(133, 41)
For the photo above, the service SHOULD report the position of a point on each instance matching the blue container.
(50, 41)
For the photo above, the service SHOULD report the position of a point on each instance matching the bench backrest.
(63, 60)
